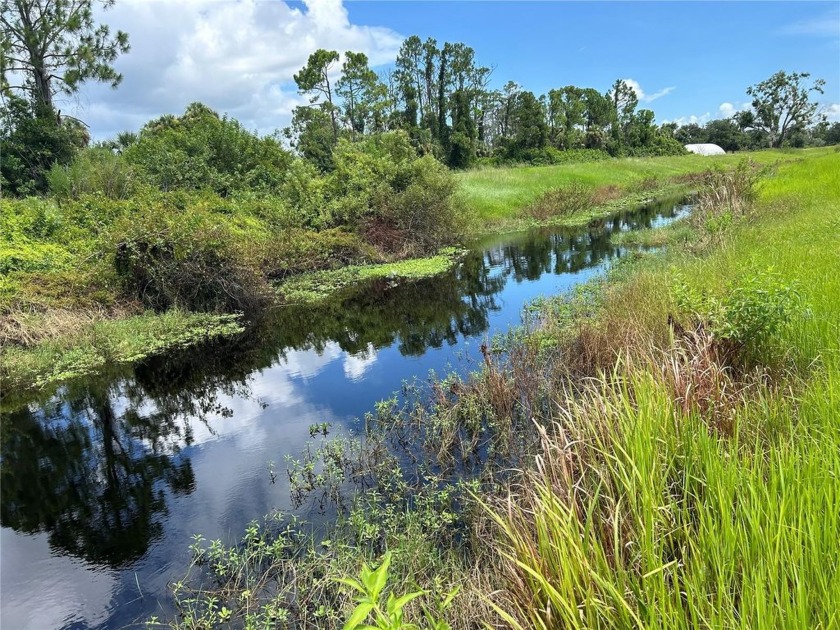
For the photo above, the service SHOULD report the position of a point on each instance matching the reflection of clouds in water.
(274, 386)
(277, 386)
(42, 591)
(309, 363)
(229, 455)
(355, 365)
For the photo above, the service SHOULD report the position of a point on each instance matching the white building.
(705, 149)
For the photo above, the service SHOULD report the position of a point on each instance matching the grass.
(317, 286)
(643, 513)
(677, 233)
(497, 195)
(106, 342)
(634, 469)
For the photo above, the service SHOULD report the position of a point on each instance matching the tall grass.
(676, 492)
(498, 194)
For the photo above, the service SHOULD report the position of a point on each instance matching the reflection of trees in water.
(91, 466)
(569, 251)
(415, 315)
(90, 476)
(428, 313)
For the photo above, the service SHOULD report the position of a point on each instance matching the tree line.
(440, 95)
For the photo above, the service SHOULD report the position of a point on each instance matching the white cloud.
(643, 96)
(727, 110)
(238, 57)
(702, 119)
(832, 112)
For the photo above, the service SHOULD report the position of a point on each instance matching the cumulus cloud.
(642, 95)
(237, 57)
(702, 119)
(832, 112)
(727, 110)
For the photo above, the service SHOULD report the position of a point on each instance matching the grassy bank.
(499, 197)
(657, 450)
(73, 262)
(317, 286)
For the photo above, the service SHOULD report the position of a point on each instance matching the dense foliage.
(197, 213)
(439, 95)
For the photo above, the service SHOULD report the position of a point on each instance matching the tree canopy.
(52, 46)
(781, 104)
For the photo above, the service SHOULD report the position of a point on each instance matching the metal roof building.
(705, 149)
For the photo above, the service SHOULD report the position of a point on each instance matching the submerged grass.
(102, 342)
(314, 287)
(662, 451)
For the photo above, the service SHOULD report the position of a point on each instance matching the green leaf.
(400, 602)
(354, 584)
(380, 576)
(448, 600)
(358, 615)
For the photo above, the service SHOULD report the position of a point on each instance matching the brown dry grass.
(26, 328)
(605, 194)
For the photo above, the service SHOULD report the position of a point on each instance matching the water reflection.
(98, 466)
(89, 475)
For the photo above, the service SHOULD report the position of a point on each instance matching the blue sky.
(708, 52)
(689, 60)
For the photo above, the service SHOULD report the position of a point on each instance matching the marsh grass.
(560, 202)
(99, 342)
(681, 488)
(497, 195)
(617, 462)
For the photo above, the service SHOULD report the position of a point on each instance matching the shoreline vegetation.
(84, 265)
(659, 447)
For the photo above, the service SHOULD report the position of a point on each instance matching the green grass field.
(498, 194)
(669, 520)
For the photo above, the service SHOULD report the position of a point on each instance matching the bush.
(548, 156)
(424, 211)
(96, 170)
(187, 260)
(752, 311)
(201, 150)
(559, 202)
(398, 200)
(296, 251)
(32, 139)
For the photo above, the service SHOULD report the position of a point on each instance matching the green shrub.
(398, 199)
(550, 155)
(201, 150)
(189, 261)
(96, 170)
(294, 251)
(749, 315)
(32, 139)
(425, 211)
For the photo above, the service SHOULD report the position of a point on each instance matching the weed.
(562, 202)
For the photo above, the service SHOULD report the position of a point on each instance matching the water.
(105, 481)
